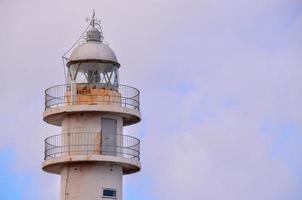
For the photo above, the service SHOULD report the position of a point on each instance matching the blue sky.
(220, 86)
(11, 183)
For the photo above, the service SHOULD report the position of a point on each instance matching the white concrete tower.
(92, 153)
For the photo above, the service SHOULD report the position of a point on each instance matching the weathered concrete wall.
(87, 122)
(92, 96)
(86, 181)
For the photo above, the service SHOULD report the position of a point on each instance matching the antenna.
(93, 19)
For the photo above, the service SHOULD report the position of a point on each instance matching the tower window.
(109, 193)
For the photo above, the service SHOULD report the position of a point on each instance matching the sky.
(220, 86)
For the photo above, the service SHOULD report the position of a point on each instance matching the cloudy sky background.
(221, 94)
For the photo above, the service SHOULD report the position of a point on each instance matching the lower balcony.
(92, 144)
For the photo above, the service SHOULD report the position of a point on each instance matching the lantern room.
(93, 62)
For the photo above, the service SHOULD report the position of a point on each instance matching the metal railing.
(92, 94)
(92, 144)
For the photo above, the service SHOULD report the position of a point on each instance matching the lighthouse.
(92, 153)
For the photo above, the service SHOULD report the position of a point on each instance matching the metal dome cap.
(93, 50)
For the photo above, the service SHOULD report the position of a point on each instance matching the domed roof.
(93, 50)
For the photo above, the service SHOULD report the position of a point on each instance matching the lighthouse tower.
(92, 152)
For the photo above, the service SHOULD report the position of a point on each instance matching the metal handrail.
(124, 96)
(91, 143)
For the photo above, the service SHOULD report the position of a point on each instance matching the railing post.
(68, 143)
(73, 86)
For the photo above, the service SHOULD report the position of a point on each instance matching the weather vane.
(93, 21)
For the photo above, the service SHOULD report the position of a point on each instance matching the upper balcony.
(97, 97)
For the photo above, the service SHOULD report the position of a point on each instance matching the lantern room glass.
(105, 74)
